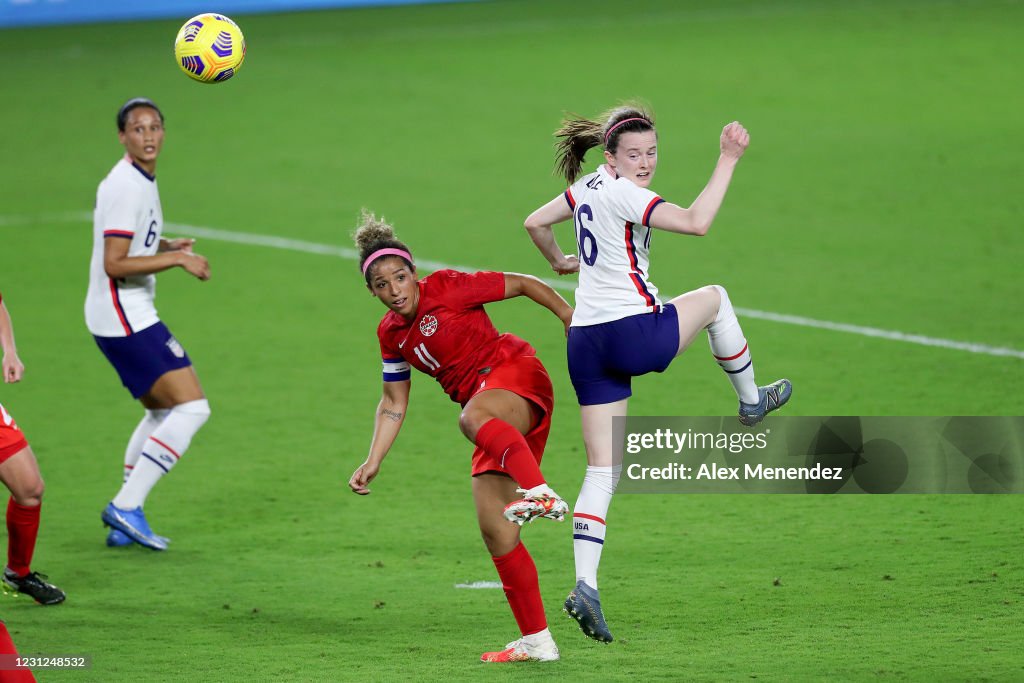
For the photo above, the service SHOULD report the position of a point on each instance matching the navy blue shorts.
(143, 357)
(604, 358)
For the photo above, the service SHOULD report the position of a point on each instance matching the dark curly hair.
(374, 234)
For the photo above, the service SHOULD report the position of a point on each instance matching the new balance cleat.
(530, 508)
(771, 397)
(584, 605)
(35, 586)
(132, 523)
(118, 539)
(521, 651)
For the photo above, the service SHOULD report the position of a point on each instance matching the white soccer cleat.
(530, 508)
(521, 651)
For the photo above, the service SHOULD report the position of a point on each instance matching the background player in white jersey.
(128, 250)
(620, 328)
(19, 472)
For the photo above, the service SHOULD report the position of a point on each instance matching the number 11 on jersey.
(421, 352)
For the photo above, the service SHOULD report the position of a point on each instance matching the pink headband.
(635, 118)
(384, 252)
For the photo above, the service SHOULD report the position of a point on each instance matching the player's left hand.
(735, 140)
(181, 244)
(13, 368)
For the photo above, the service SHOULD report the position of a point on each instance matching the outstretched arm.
(387, 423)
(539, 223)
(697, 219)
(117, 263)
(12, 366)
(536, 289)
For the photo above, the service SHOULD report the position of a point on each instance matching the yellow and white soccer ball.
(210, 48)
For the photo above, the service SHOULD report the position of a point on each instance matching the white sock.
(729, 347)
(150, 421)
(540, 490)
(588, 520)
(161, 451)
(539, 638)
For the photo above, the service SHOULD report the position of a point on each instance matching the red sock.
(519, 579)
(22, 529)
(505, 444)
(8, 653)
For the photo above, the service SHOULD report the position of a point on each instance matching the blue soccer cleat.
(119, 539)
(584, 605)
(771, 397)
(132, 523)
(116, 539)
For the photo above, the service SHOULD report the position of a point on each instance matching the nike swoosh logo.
(401, 343)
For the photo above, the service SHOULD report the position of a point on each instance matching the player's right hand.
(195, 264)
(361, 478)
(568, 265)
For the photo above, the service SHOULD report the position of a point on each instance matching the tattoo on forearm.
(391, 414)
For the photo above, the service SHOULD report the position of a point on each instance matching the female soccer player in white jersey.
(128, 250)
(620, 328)
(19, 472)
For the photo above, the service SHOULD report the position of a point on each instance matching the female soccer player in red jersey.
(20, 473)
(438, 325)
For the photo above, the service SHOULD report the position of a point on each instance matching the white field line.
(970, 347)
(564, 285)
(479, 584)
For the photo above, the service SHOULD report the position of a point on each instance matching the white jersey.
(127, 207)
(611, 216)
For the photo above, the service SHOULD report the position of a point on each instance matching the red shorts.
(524, 376)
(11, 438)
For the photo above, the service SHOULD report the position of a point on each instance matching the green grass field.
(881, 189)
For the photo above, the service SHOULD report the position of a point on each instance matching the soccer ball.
(210, 48)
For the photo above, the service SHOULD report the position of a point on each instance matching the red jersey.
(451, 339)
